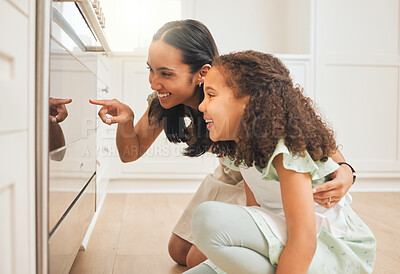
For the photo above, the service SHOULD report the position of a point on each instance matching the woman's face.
(170, 77)
(222, 111)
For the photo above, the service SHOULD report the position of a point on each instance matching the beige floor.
(132, 233)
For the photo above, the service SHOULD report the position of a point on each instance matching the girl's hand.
(335, 189)
(120, 113)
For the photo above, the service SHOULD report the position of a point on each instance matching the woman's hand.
(330, 193)
(120, 113)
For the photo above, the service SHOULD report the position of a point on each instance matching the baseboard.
(376, 185)
(153, 186)
(190, 186)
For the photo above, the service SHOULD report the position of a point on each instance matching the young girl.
(271, 133)
(179, 57)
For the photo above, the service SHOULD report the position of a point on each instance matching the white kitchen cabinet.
(22, 5)
(15, 202)
(14, 68)
(104, 146)
(357, 79)
(17, 186)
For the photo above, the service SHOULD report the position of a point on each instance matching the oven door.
(72, 134)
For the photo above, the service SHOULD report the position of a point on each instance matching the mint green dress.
(344, 242)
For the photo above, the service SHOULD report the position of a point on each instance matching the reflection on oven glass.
(72, 153)
(57, 113)
(72, 134)
(72, 138)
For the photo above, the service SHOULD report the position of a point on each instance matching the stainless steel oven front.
(76, 40)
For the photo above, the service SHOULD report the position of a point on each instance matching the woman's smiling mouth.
(163, 96)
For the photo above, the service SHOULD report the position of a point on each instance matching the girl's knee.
(205, 216)
(208, 222)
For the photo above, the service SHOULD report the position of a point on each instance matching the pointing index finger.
(63, 101)
(100, 102)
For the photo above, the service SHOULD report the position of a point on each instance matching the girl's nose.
(202, 106)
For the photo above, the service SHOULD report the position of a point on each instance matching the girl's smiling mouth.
(209, 123)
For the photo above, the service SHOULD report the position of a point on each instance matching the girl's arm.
(298, 205)
(338, 187)
(250, 199)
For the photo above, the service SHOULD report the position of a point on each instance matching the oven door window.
(70, 27)
(72, 138)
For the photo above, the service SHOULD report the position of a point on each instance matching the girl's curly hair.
(276, 109)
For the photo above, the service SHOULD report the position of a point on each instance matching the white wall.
(130, 24)
(265, 25)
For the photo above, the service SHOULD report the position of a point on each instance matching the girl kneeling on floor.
(273, 136)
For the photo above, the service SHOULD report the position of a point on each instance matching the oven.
(76, 40)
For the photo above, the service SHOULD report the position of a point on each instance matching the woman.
(179, 58)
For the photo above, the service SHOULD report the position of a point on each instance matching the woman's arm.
(132, 141)
(338, 187)
(298, 206)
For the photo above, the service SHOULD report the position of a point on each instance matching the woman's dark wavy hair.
(198, 48)
(276, 109)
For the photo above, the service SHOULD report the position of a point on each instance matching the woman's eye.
(210, 95)
(166, 74)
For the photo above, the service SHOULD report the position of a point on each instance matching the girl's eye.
(149, 68)
(210, 95)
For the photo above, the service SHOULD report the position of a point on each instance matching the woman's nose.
(154, 83)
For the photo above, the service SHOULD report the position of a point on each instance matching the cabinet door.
(13, 68)
(357, 80)
(17, 224)
(106, 148)
(15, 205)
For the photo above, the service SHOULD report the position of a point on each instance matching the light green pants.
(229, 237)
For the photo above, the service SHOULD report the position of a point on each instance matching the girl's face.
(170, 77)
(222, 110)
